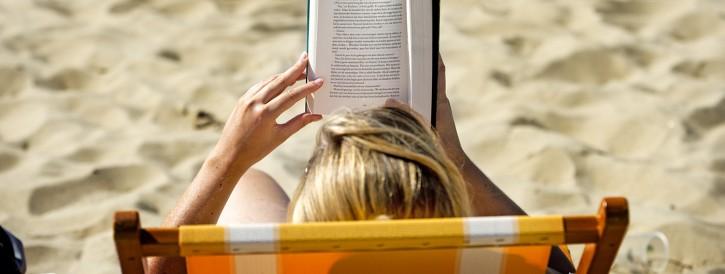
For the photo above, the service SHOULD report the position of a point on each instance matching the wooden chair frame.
(602, 234)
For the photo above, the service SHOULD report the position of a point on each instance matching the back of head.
(378, 162)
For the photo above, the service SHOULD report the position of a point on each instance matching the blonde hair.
(378, 162)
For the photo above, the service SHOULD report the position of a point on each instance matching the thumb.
(298, 122)
(441, 77)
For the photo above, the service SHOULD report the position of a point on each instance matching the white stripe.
(252, 238)
(480, 260)
(491, 231)
(255, 264)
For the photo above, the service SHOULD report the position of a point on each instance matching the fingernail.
(315, 117)
(393, 101)
(303, 55)
(319, 81)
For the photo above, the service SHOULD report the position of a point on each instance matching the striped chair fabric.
(451, 245)
(357, 244)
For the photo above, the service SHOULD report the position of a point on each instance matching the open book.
(371, 50)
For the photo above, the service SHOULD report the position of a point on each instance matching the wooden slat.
(127, 235)
(160, 241)
(164, 241)
(580, 229)
(605, 230)
(613, 221)
(164, 235)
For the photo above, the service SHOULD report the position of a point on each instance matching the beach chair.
(450, 245)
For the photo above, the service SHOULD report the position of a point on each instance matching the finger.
(303, 76)
(260, 85)
(288, 99)
(284, 80)
(397, 104)
(295, 124)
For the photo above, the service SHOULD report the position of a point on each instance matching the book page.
(361, 50)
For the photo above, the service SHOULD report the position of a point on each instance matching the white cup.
(646, 252)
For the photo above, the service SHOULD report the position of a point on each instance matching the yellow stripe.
(344, 236)
(540, 230)
(202, 239)
(370, 235)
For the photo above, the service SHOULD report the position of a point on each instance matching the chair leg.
(127, 235)
(613, 221)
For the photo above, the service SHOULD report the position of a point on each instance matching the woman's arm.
(487, 198)
(250, 133)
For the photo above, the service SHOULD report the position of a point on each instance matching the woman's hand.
(445, 125)
(444, 120)
(252, 132)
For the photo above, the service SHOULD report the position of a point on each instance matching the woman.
(415, 172)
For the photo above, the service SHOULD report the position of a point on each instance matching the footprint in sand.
(7, 161)
(126, 6)
(47, 257)
(611, 64)
(88, 155)
(68, 79)
(59, 137)
(171, 153)
(718, 184)
(706, 69)
(213, 101)
(550, 167)
(638, 14)
(14, 80)
(101, 112)
(718, 165)
(93, 188)
(185, 9)
(20, 120)
(696, 25)
(706, 118)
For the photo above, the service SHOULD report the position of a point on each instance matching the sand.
(109, 105)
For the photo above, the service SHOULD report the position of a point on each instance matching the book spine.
(307, 49)
(436, 37)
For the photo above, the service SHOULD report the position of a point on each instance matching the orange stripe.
(305, 263)
(381, 262)
(525, 259)
(223, 264)
(533, 259)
